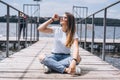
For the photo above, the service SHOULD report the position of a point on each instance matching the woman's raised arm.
(44, 27)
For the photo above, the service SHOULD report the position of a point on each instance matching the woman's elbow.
(40, 29)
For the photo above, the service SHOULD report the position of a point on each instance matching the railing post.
(26, 22)
(92, 44)
(34, 29)
(26, 31)
(31, 26)
(114, 50)
(37, 30)
(114, 34)
(85, 33)
(31, 30)
(104, 35)
(18, 30)
(38, 24)
(81, 33)
(7, 43)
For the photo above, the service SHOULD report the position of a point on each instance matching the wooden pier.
(24, 65)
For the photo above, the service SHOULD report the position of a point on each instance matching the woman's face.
(63, 22)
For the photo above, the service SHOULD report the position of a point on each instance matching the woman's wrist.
(74, 59)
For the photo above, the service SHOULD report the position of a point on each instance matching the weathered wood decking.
(24, 65)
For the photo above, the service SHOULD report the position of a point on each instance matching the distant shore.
(97, 21)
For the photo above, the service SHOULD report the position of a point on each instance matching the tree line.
(97, 21)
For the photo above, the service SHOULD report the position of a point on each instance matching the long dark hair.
(71, 28)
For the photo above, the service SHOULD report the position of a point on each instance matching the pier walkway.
(24, 65)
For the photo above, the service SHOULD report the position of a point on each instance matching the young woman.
(64, 37)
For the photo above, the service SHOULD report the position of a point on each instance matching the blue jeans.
(57, 62)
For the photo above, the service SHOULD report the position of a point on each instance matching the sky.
(49, 7)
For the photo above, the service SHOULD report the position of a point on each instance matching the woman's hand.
(72, 67)
(55, 17)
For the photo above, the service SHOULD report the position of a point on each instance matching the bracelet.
(52, 19)
(75, 59)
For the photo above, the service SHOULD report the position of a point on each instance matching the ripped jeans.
(57, 62)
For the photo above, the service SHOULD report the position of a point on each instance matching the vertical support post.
(80, 18)
(81, 32)
(19, 30)
(38, 23)
(16, 30)
(92, 44)
(34, 29)
(26, 29)
(114, 50)
(83, 17)
(85, 43)
(104, 37)
(78, 26)
(7, 42)
(26, 22)
(37, 32)
(114, 34)
(31, 27)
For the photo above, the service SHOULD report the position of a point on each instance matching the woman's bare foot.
(66, 70)
(76, 71)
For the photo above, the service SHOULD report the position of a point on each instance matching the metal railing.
(34, 11)
(10, 10)
(91, 17)
(81, 13)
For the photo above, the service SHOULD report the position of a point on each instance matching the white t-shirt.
(59, 41)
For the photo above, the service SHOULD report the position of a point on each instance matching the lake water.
(98, 34)
(98, 31)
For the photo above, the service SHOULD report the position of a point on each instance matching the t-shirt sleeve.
(75, 35)
(54, 29)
